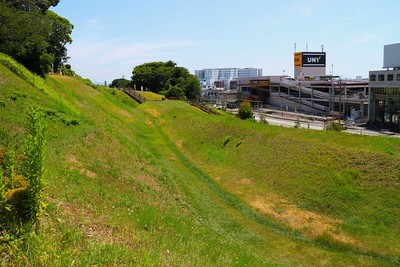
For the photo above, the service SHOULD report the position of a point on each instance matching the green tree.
(160, 76)
(27, 44)
(245, 110)
(120, 83)
(192, 87)
(33, 36)
(31, 5)
(60, 36)
(174, 92)
(151, 75)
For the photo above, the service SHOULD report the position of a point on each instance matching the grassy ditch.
(123, 187)
(337, 189)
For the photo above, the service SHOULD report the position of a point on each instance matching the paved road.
(287, 119)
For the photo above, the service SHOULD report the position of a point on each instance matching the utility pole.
(332, 94)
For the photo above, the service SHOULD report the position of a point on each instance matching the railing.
(202, 107)
(134, 94)
(138, 97)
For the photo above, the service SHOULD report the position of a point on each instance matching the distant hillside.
(164, 184)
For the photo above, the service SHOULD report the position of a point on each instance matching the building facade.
(384, 86)
(309, 64)
(222, 78)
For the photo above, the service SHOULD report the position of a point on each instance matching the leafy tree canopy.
(33, 35)
(60, 36)
(31, 5)
(245, 110)
(164, 76)
(120, 83)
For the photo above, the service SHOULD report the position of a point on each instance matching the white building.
(221, 78)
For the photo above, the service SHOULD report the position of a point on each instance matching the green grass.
(349, 178)
(161, 184)
(150, 96)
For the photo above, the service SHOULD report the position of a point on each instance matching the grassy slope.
(125, 188)
(344, 188)
(150, 96)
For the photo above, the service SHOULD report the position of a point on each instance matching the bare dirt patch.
(311, 224)
(74, 164)
(149, 181)
(244, 181)
(89, 225)
(124, 113)
(153, 112)
(179, 143)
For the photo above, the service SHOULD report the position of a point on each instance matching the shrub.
(245, 110)
(174, 92)
(333, 126)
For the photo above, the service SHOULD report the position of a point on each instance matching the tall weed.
(33, 165)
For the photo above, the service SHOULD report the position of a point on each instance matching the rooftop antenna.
(295, 47)
(306, 47)
(322, 48)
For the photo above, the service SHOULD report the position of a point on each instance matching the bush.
(333, 126)
(174, 92)
(245, 110)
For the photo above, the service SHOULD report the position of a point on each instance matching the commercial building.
(309, 64)
(384, 86)
(221, 78)
(324, 95)
(310, 91)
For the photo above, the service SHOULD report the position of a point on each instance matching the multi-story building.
(221, 78)
(384, 89)
(384, 86)
(309, 64)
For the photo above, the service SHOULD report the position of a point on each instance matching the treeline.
(34, 35)
(164, 78)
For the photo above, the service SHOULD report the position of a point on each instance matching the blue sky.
(111, 37)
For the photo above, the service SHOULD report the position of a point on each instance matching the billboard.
(313, 59)
(391, 56)
(298, 59)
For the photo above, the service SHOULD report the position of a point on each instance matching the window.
(381, 77)
(398, 77)
(390, 77)
(372, 78)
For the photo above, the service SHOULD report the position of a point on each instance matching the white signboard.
(391, 56)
